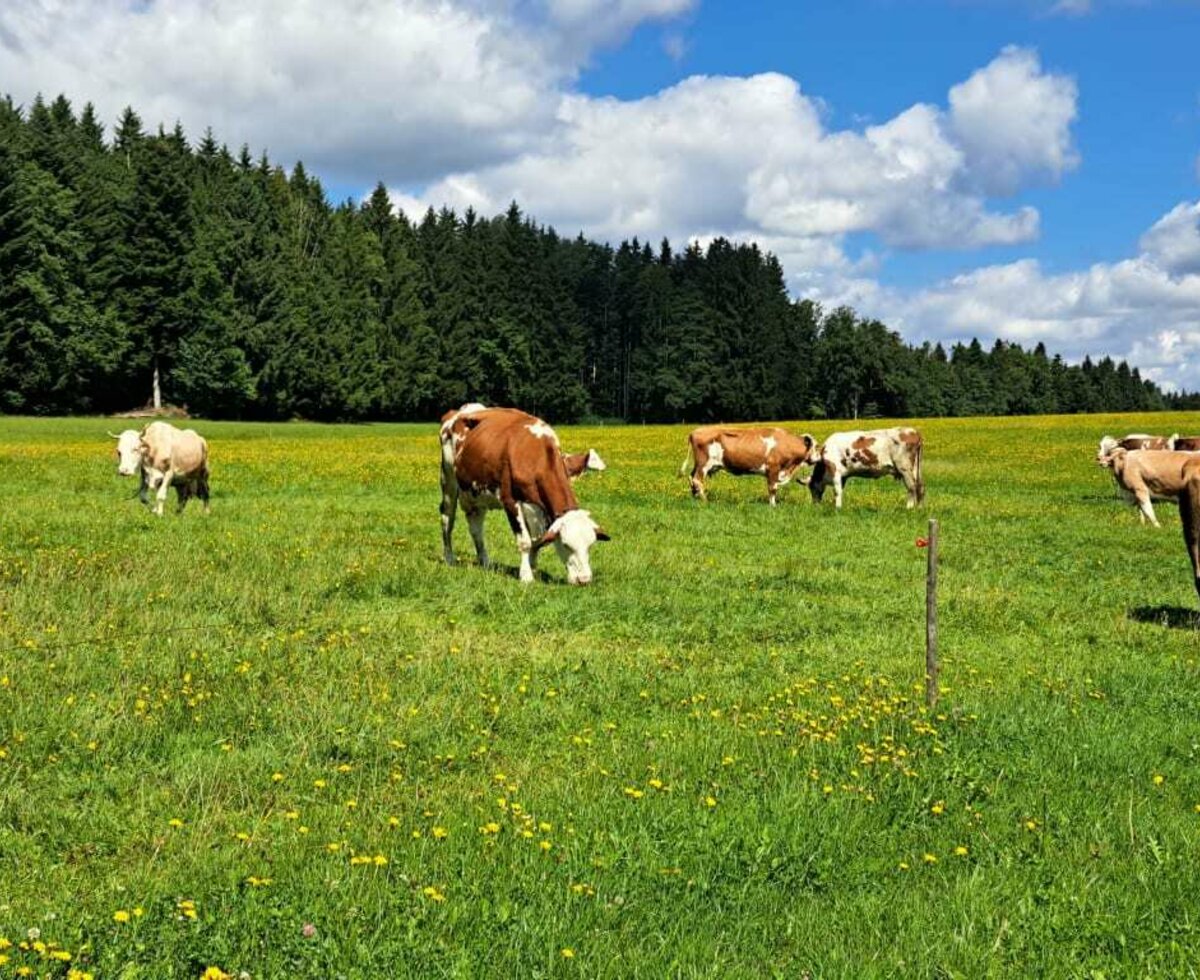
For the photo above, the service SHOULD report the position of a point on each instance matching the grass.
(286, 740)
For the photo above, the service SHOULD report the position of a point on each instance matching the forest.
(249, 295)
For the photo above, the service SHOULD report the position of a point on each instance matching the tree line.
(238, 285)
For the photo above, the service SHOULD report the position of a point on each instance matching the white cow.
(164, 455)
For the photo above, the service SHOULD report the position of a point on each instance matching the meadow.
(285, 740)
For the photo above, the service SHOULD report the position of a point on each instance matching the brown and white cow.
(1135, 440)
(1185, 444)
(579, 463)
(505, 458)
(773, 452)
(164, 455)
(870, 454)
(1146, 475)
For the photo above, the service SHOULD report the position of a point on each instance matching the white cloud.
(1174, 240)
(595, 22)
(403, 90)
(1071, 8)
(1145, 309)
(752, 154)
(1013, 122)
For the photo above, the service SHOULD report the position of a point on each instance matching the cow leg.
(910, 484)
(202, 488)
(183, 492)
(475, 519)
(838, 481)
(699, 472)
(164, 486)
(1147, 509)
(449, 508)
(516, 520)
(772, 485)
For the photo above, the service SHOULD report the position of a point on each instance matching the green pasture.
(285, 740)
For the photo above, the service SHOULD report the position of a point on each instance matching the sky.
(1021, 169)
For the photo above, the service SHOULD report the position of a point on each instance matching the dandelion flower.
(567, 953)
(120, 915)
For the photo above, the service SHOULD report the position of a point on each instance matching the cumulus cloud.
(753, 154)
(1145, 309)
(1013, 122)
(1174, 241)
(402, 90)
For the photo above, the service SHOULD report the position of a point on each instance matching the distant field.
(287, 740)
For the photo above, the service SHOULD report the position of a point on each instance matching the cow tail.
(1189, 514)
(689, 461)
(919, 474)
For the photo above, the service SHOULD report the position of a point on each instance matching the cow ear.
(549, 537)
(809, 441)
(601, 534)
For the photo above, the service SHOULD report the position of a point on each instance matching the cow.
(1135, 440)
(870, 454)
(172, 456)
(775, 453)
(505, 458)
(1189, 515)
(579, 463)
(1185, 444)
(1146, 475)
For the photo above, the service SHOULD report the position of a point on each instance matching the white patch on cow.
(716, 458)
(543, 431)
(761, 468)
(769, 445)
(594, 462)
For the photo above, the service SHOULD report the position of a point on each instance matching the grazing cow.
(1189, 515)
(1135, 440)
(172, 456)
(579, 463)
(504, 458)
(1185, 444)
(1145, 475)
(775, 453)
(871, 454)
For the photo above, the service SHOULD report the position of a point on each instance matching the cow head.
(594, 462)
(573, 535)
(1107, 445)
(817, 480)
(129, 452)
(1114, 459)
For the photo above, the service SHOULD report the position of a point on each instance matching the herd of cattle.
(1156, 468)
(503, 458)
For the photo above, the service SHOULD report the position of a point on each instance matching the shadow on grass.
(1173, 617)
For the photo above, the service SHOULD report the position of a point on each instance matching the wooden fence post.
(931, 624)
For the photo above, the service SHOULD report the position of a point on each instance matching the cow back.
(507, 451)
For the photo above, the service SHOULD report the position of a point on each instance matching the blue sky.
(1137, 66)
(1017, 169)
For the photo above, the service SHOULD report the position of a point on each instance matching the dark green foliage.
(254, 298)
